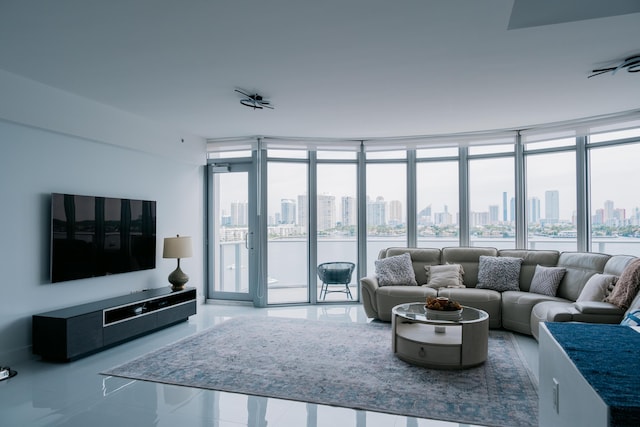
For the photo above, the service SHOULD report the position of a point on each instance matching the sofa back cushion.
(531, 258)
(617, 263)
(419, 258)
(580, 267)
(469, 258)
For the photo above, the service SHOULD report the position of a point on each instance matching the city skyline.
(391, 212)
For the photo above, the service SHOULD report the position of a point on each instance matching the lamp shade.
(177, 247)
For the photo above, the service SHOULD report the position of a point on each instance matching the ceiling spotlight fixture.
(254, 101)
(632, 64)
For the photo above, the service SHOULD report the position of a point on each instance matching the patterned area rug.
(343, 364)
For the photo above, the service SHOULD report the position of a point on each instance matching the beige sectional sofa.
(516, 310)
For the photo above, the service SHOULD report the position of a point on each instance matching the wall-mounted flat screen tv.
(97, 236)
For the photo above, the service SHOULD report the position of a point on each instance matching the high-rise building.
(608, 211)
(239, 211)
(533, 210)
(349, 211)
(552, 206)
(395, 212)
(424, 216)
(326, 212)
(376, 212)
(303, 207)
(504, 206)
(494, 214)
(512, 208)
(287, 211)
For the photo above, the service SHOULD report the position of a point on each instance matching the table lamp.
(177, 247)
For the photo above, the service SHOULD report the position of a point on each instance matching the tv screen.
(98, 236)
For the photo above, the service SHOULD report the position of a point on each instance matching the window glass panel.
(564, 142)
(551, 201)
(491, 149)
(491, 190)
(615, 205)
(287, 206)
(229, 154)
(287, 154)
(611, 136)
(232, 210)
(386, 208)
(437, 204)
(398, 154)
(337, 225)
(346, 155)
(437, 152)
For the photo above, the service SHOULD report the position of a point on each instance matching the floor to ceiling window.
(386, 202)
(337, 224)
(437, 198)
(491, 196)
(615, 201)
(551, 195)
(287, 225)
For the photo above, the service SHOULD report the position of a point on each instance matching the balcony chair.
(335, 273)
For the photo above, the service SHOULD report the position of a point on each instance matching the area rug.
(343, 364)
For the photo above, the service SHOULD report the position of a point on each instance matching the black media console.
(78, 331)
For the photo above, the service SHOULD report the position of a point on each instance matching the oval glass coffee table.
(440, 341)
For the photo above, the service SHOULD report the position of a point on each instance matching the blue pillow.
(631, 319)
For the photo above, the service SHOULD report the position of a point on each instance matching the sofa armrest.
(598, 307)
(368, 287)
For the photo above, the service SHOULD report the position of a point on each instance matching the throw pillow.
(626, 287)
(396, 270)
(546, 280)
(631, 319)
(444, 276)
(499, 273)
(597, 287)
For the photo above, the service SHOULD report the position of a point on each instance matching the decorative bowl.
(443, 314)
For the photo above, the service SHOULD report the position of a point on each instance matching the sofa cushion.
(580, 267)
(597, 288)
(482, 299)
(499, 273)
(517, 306)
(445, 276)
(396, 270)
(469, 258)
(546, 280)
(419, 258)
(626, 287)
(530, 259)
(550, 311)
(388, 297)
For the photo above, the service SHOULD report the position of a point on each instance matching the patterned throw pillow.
(631, 319)
(627, 286)
(396, 270)
(546, 280)
(597, 288)
(499, 273)
(444, 276)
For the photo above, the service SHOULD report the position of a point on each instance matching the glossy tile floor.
(76, 395)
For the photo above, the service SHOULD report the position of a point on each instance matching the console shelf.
(78, 331)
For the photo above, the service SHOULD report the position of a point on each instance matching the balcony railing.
(288, 266)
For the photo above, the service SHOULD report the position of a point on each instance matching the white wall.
(52, 141)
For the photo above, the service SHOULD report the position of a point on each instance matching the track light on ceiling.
(255, 101)
(632, 64)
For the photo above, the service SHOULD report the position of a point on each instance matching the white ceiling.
(332, 68)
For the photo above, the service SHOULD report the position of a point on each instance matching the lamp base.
(178, 279)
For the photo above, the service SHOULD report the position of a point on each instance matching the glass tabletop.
(417, 311)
